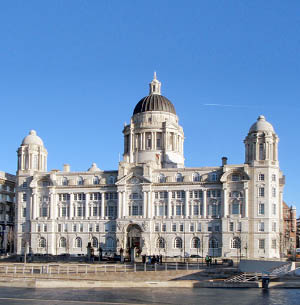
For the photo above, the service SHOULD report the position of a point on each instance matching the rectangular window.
(65, 227)
(261, 209)
(164, 227)
(39, 228)
(173, 195)
(135, 210)
(181, 227)
(24, 212)
(199, 227)
(80, 211)
(24, 197)
(231, 226)
(261, 192)
(209, 228)
(196, 210)
(24, 185)
(156, 195)
(81, 227)
(174, 227)
(97, 228)
(90, 227)
(74, 228)
(273, 177)
(217, 228)
(261, 227)
(273, 243)
(156, 227)
(261, 177)
(59, 227)
(64, 211)
(274, 208)
(45, 228)
(178, 210)
(273, 192)
(239, 227)
(274, 226)
(106, 227)
(113, 227)
(192, 228)
(261, 244)
(95, 211)
(158, 143)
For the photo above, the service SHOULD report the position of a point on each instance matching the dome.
(32, 138)
(94, 168)
(261, 125)
(154, 102)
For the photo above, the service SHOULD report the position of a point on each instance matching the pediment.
(132, 179)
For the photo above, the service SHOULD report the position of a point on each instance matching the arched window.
(213, 243)
(196, 243)
(177, 243)
(160, 244)
(161, 178)
(179, 178)
(110, 243)
(111, 180)
(235, 243)
(62, 242)
(80, 181)
(95, 242)
(42, 242)
(196, 177)
(65, 181)
(78, 242)
(96, 180)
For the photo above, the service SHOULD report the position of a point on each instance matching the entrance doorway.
(134, 237)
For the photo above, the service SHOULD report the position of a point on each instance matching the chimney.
(224, 161)
(66, 168)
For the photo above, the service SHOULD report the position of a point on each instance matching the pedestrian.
(160, 259)
(207, 260)
(144, 259)
(157, 259)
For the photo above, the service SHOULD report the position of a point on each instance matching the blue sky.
(74, 70)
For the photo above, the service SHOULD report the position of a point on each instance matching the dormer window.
(214, 177)
(65, 181)
(96, 180)
(161, 178)
(196, 177)
(80, 181)
(235, 177)
(179, 178)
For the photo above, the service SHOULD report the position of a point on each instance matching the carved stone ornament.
(134, 180)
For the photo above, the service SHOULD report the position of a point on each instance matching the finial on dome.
(32, 132)
(155, 85)
(261, 118)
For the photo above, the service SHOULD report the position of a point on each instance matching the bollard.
(32, 270)
(166, 267)
(125, 267)
(134, 267)
(104, 268)
(145, 267)
(86, 268)
(50, 270)
(6, 269)
(15, 269)
(187, 266)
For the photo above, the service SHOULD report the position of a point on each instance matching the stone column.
(52, 206)
(102, 205)
(246, 202)
(169, 204)
(124, 203)
(186, 205)
(145, 204)
(87, 205)
(34, 205)
(120, 205)
(150, 205)
(225, 202)
(71, 215)
(204, 204)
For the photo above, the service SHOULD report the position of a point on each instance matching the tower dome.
(154, 101)
(261, 125)
(32, 138)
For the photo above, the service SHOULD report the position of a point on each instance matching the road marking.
(72, 301)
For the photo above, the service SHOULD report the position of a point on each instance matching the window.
(174, 227)
(42, 242)
(78, 242)
(177, 243)
(95, 242)
(111, 180)
(97, 228)
(235, 208)
(24, 212)
(199, 227)
(179, 178)
(261, 151)
(274, 226)
(196, 210)
(81, 227)
(273, 192)
(44, 211)
(213, 177)
(231, 226)
(162, 178)
(96, 180)
(217, 228)
(74, 228)
(149, 143)
(261, 208)
(235, 177)
(38, 228)
(178, 210)
(45, 228)
(24, 197)
(195, 243)
(64, 211)
(156, 227)
(235, 243)
(273, 243)
(261, 244)
(65, 181)
(274, 208)
(209, 228)
(261, 192)
(160, 243)
(192, 228)
(158, 142)
(213, 243)
(110, 243)
(239, 227)
(196, 177)
(80, 181)
(261, 177)
(164, 227)
(65, 227)
(59, 227)
(62, 242)
(261, 226)
(181, 227)
(273, 177)
(90, 227)
(24, 185)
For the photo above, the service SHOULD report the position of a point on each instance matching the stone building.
(7, 211)
(289, 236)
(152, 201)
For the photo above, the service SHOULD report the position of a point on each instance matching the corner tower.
(154, 134)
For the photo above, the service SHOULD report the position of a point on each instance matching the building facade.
(289, 236)
(153, 202)
(7, 212)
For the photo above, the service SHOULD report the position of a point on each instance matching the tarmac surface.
(207, 296)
